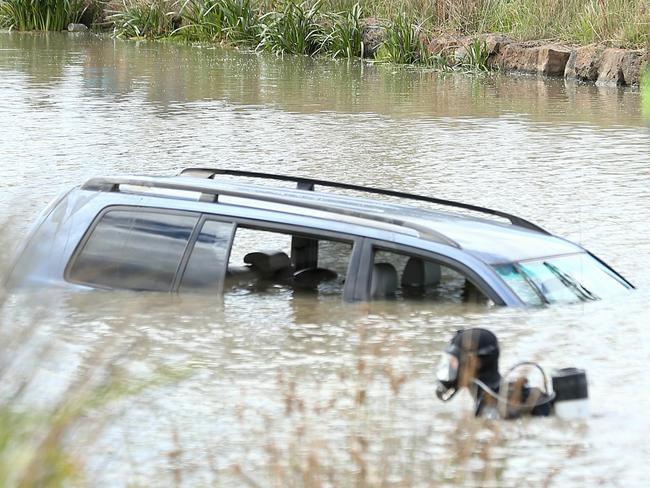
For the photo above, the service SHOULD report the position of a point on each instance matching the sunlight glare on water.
(269, 383)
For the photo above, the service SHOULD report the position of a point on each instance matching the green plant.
(292, 30)
(475, 56)
(234, 20)
(403, 42)
(42, 15)
(145, 18)
(645, 93)
(240, 21)
(202, 20)
(343, 37)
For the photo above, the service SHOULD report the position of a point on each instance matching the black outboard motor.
(471, 360)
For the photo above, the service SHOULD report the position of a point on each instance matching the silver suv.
(208, 230)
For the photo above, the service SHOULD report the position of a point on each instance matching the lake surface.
(272, 390)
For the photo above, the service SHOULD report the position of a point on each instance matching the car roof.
(489, 240)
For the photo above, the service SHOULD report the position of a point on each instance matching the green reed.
(403, 42)
(343, 33)
(145, 18)
(294, 29)
(40, 15)
(234, 20)
(475, 57)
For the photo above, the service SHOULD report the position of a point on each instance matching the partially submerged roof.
(488, 239)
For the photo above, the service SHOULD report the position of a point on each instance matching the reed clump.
(40, 15)
(145, 18)
(404, 42)
(343, 33)
(293, 29)
(236, 21)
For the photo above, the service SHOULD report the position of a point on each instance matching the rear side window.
(133, 249)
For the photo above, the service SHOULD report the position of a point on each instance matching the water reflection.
(170, 72)
(569, 157)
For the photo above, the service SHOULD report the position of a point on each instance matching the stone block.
(632, 65)
(77, 28)
(583, 63)
(443, 46)
(372, 35)
(518, 57)
(494, 42)
(552, 60)
(610, 71)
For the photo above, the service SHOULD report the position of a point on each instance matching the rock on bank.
(594, 63)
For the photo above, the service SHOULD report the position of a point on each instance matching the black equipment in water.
(471, 360)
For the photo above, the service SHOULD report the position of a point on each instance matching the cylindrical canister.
(571, 395)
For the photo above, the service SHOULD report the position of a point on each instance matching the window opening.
(262, 260)
(409, 277)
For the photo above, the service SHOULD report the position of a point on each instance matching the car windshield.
(563, 279)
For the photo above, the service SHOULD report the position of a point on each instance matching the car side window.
(276, 261)
(206, 266)
(133, 249)
(410, 277)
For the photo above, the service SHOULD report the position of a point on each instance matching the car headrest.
(419, 273)
(268, 264)
(384, 280)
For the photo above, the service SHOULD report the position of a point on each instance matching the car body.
(178, 233)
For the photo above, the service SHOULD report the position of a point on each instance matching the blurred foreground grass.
(343, 428)
(645, 94)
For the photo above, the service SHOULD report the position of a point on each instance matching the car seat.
(419, 274)
(384, 280)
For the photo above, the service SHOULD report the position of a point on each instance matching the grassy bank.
(316, 26)
(624, 23)
(289, 27)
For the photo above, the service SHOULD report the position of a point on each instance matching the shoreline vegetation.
(605, 41)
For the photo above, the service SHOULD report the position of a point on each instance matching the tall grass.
(645, 93)
(344, 37)
(40, 15)
(233, 20)
(144, 18)
(294, 29)
(623, 23)
(403, 42)
(475, 57)
(620, 22)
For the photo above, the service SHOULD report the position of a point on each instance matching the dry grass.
(353, 435)
(620, 22)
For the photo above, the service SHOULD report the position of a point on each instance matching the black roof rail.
(309, 183)
(210, 193)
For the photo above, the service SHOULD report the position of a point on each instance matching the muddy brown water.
(269, 385)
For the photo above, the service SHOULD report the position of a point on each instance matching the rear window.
(133, 249)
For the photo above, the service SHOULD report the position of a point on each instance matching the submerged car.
(208, 230)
